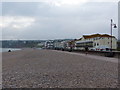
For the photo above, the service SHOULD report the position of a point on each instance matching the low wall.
(115, 54)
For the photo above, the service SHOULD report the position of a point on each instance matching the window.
(96, 38)
(97, 44)
(94, 44)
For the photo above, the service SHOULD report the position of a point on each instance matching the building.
(41, 44)
(61, 44)
(96, 42)
(49, 44)
(58, 45)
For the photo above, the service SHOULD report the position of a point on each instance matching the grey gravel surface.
(31, 68)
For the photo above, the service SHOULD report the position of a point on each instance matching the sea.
(13, 49)
(6, 49)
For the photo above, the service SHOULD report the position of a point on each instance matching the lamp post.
(112, 26)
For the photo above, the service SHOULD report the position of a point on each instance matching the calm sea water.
(6, 49)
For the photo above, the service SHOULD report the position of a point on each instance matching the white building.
(49, 44)
(96, 42)
(57, 45)
(60, 45)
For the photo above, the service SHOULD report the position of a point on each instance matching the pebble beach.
(32, 68)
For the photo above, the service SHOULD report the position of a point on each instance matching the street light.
(112, 26)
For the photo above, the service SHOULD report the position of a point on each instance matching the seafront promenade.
(32, 68)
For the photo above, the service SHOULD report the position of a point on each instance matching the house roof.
(97, 35)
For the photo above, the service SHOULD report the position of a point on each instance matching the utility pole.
(111, 25)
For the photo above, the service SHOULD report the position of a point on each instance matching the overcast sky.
(57, 19)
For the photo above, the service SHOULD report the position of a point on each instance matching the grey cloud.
(56, 22)
(20, 8)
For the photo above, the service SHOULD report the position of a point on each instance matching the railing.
(99, 53)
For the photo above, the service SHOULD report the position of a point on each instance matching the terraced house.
(98, 42)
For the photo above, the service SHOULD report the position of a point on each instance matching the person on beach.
(9, 50)
(86, 50)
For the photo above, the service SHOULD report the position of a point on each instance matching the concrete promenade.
(32, 68)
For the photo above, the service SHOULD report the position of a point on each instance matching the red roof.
(97, 35)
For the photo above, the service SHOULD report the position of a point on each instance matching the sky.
(56, 19)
